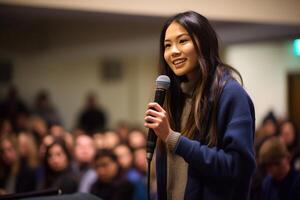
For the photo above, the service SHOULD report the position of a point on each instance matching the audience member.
(136, 138)
(5, 127)
(92, 118)
(122, 130)
(282, 181)
(15, 176)
(110, 184)
(84, 153)
(111, 139)
(58, 172)
(99, 139)
(59, 133)
(13, 108)
(125, 158)
(140, 161)
(46, 142)
(28, 150)
(44, 108)
(269, 126)
(39, 128)
(289, 134)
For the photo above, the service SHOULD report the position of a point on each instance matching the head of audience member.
(124, 155)
(111, 139)
(28, 149)
(9, 153)
(106, 166)
(275, 158)
(123, 130)
(91, 101)
(39, 127)
(78, 131)
(84, 150)
(5, 127)
(289, 135)
(137, 139)
(140, 160)
(269, 125)
(59, 133)
(57, 158)
(99, 139)
(22, 121)
(46, 141)
(42, 100)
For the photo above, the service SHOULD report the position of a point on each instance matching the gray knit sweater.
(176, 166)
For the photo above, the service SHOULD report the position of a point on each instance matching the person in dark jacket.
(111, 184)
(58, 171)
(206, 127)
(93, 118)
(282, 181)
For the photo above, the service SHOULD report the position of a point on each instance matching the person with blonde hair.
(28, 149)
(14, 175)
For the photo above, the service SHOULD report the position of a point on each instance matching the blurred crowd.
(277, 147)
(37, 152)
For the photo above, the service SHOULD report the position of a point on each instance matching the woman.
(28, 150)
(15, 176)
(206, 127)
(58, 173)
(288, 133)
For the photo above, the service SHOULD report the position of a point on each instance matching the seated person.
(58, 172)
(110, 184)
(84, 153)
(282, 181)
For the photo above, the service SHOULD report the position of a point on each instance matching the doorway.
(294, 97)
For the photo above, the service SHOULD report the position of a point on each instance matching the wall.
(264, 67)
(69, 73)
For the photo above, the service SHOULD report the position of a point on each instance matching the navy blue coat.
(222, 172)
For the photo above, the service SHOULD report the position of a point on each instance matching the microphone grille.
(163, 82)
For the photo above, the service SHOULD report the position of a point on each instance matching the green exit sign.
(296, 47)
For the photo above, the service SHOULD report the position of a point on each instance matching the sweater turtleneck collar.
(188, 87)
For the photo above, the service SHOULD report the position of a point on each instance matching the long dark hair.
(50, 174)
(212, 78)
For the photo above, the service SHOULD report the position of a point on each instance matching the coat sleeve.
(235, 126)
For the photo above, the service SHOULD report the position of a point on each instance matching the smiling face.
(180, 52)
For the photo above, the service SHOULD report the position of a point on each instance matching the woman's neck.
(192, 79)
(193, 75)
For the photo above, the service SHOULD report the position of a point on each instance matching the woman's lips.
(179, 62)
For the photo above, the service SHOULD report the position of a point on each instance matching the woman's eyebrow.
(178, 36)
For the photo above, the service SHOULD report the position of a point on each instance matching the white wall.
(264, 67)
(69, 73)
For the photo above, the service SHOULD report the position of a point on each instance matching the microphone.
(162, 85)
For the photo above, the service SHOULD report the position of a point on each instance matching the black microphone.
(162, 85)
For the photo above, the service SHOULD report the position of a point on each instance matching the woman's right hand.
(157, 119)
